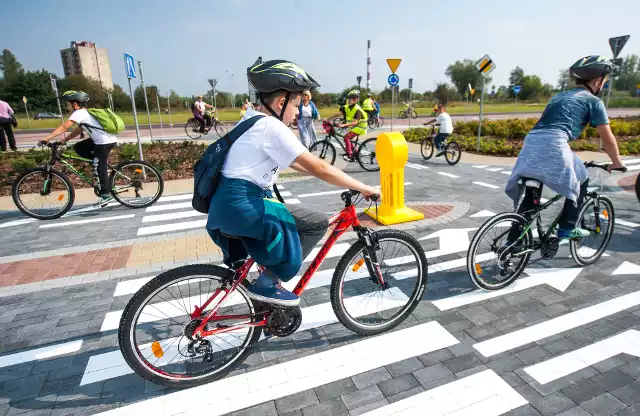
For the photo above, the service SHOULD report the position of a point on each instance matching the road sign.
(24, 99)
(393, 80)
(485, 65)
(359, 79)
(54, 86)
(393, 64)
(129, 66)
(617, 44)
(618, 63)
(516, 89)
(410, 83)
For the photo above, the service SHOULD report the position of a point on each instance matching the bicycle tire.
(414, 114)
(452, 160)
(351, 253)
(488, 225)
(15, 188)
(190, 127)
(380, 121)
(371, 123)
(116, 195)
(638, 187)
(369, 156)
(574, 249)
(427, 152)
(326, 151)
(402, 114)
(221, 129)
(155, 285)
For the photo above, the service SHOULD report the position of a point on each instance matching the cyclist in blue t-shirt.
(546, 155)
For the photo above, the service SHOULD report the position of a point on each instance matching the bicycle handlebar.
(604, 166)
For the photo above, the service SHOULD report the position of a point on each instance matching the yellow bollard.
(392, 153)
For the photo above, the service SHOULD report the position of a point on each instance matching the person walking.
(307, 112)
(7, 121)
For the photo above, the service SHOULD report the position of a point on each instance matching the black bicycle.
(364, 153)
(192, 128)
(46, 193)
(408, 112)
(494, 263)
(375, 121)
(452, 149)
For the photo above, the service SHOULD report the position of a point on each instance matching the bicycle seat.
(530, 183)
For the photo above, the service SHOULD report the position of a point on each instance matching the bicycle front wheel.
(414, 114)
(638, 187)
(588, 250)
(380, 121)
(452, 153)
(42, 195)
(192, 129)
(492, 263)
(367, 306)
(155, 331)
(426, 148)
(136, 184)
(402, 114)
(367, 155)
(221, 129)
(324, 150)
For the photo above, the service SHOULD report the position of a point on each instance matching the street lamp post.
(231, 95)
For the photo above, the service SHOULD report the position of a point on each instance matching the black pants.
(89, 150)
(5, 125)
(568, 216)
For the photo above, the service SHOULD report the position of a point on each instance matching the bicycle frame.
(341, 221)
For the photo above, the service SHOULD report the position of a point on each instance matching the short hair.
(269, 97)
(199, 97)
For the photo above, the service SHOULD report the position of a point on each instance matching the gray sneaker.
(103, 201)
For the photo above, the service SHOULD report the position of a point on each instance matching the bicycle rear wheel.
(155, 331)
(136, 184)
(452, 153)
(367, 155)
(324, 150)
(380, 121)
(221, 129)
(43, 196)
(490, 260)
(638, 187)
(360, 302)
(414, 115)
(589, 249)
(192, 129)
(426, 148)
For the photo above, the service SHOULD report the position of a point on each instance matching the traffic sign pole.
(24, 100)
(410, 99)
(159, 115)
(146, 102)
(480, 119)
(169, 110)
(130, 71)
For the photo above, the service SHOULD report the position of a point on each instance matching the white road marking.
(88, 221)
(493, 169)
(40, 353)
(627, 223)
(480, 394)
(416, 166)
(506, 172)
(285, 193)
(172, 216)
(486, 185)
(172, 198)
(627, 268)
(165, 228)
(17, 222)
(557, 325)
(483, 214)
(168, 207)
(450, 175)
(633, 168)
(480, 166)
(292, 201)
(627, 342)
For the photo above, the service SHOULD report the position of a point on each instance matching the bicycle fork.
(370, 258)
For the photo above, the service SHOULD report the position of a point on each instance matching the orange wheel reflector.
(605, 214)
(138, 170)
(478, 268)
(358, 264)
(60, 197)
(157, 349)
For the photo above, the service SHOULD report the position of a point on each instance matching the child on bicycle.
(98, 145)
(356, 118)
(443, 121)
(277, 236)
(546, 155)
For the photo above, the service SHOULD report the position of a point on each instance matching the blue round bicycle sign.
(393, 80)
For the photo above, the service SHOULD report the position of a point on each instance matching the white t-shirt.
(307, 111)
(446, 126)
(98, 136)
(259, 154)
(200, 106)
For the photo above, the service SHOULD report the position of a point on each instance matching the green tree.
(531, 87)
(564, 80)
(463, 73)
(138, 95)
(516, 78)
(36, 86)
(629, 76)
(121, 100)
(10, 66)
(445, 93)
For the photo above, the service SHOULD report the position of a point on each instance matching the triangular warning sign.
(393, 64)
(617, 44)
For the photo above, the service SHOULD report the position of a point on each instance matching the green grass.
(234, 114)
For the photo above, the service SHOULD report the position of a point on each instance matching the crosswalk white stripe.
(416, 166)
(480, 166)
(87, 221)
(630, 161)
(480, 394)
(557, 325)
(172, 216)
(171, 198)
(168, 207)
(40, 353)
(506, 172)
(493, 169)
(17, 222)
(633, 168)
(450, 175)
(292, 201)
(627, 223)
(280, 380)
(164, 228)
(486, 185)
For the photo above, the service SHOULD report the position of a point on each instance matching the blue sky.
(184, 43)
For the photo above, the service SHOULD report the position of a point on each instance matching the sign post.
(516, 91)
(146, 102)
(110, 98)
(130, 71)
(169, 110)
(485, 66)
(393, 81)
(470, 93)
(616, 45)
(359, 79)
(213, 82)
(54, 87)
(410, 99)
(24, 100)
(159, 115)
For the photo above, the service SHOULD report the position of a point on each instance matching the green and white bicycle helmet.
(276, 75)
(591, 67)
(353, 94)
(77, 96)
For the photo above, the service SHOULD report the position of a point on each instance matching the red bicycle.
(193, 324)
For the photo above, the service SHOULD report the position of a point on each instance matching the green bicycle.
(46, 193)
(493, 262)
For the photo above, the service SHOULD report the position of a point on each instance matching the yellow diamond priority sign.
(485, 65)
(393, 64)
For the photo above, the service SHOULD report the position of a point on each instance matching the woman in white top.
(307, 112)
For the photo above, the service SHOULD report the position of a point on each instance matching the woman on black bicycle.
(546, 155)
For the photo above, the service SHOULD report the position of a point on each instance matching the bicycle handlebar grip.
(374, 198)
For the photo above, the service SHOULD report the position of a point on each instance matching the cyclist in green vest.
(367, 105)
(356, 118)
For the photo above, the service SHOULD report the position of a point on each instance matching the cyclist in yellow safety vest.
(367, 105)
(356, 118)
